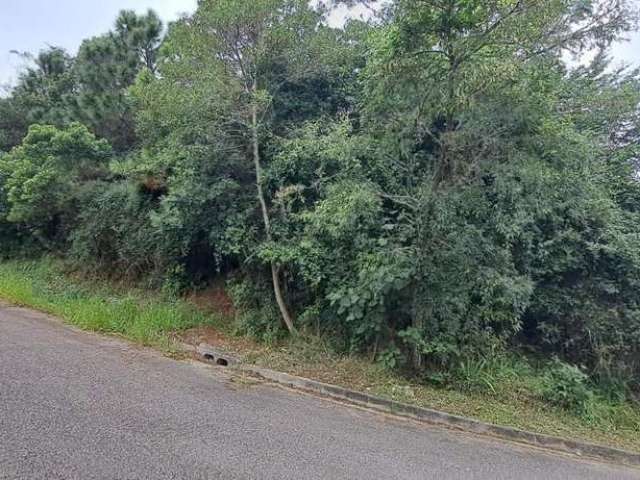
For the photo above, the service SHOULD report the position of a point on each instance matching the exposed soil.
(207, 335)
(240, 346)
(214, 299)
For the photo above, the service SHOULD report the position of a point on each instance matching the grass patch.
(505, 391)
(146, 318)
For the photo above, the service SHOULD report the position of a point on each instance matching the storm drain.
(216, 357)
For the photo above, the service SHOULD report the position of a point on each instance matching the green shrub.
(257, 316)
(567, 386)
(114, 233)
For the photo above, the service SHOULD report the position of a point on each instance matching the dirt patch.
(216, 338)
(217, 301)
(208, 335)
(214, 299)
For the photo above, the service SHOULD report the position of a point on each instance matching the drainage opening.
(222, 362)
(208, 357)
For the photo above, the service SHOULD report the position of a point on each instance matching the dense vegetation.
(452, 180)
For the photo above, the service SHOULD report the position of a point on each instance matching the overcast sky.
(30, 25)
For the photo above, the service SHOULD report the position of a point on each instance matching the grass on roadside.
(505, 391)
(148, 319)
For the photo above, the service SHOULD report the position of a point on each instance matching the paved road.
(80, 406)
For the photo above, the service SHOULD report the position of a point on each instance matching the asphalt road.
(80, 406)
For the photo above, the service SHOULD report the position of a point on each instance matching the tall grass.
(552, 383)
(145, 318)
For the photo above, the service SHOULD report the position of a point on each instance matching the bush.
(41, 180)
(114, 234)
(568, 387)
(257, 316)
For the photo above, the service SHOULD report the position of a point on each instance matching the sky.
(31, 25)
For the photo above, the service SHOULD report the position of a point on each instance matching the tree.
(13, 123)
(43, 89)
(436, 186)
(141, 34)
(40, 96)
(106, 67)
(43, 176)
(250, 48)
(475, 46)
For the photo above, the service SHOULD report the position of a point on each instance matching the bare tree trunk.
(282, 305)
(275, 270)
(417, 322)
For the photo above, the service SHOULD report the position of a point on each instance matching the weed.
(567, 386)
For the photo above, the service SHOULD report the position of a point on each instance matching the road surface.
(80, 406)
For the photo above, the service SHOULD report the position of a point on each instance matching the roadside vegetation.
(446, 195)
(141, 316)
(518, 391)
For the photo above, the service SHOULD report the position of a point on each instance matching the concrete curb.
(425, 415)
(447, 420)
